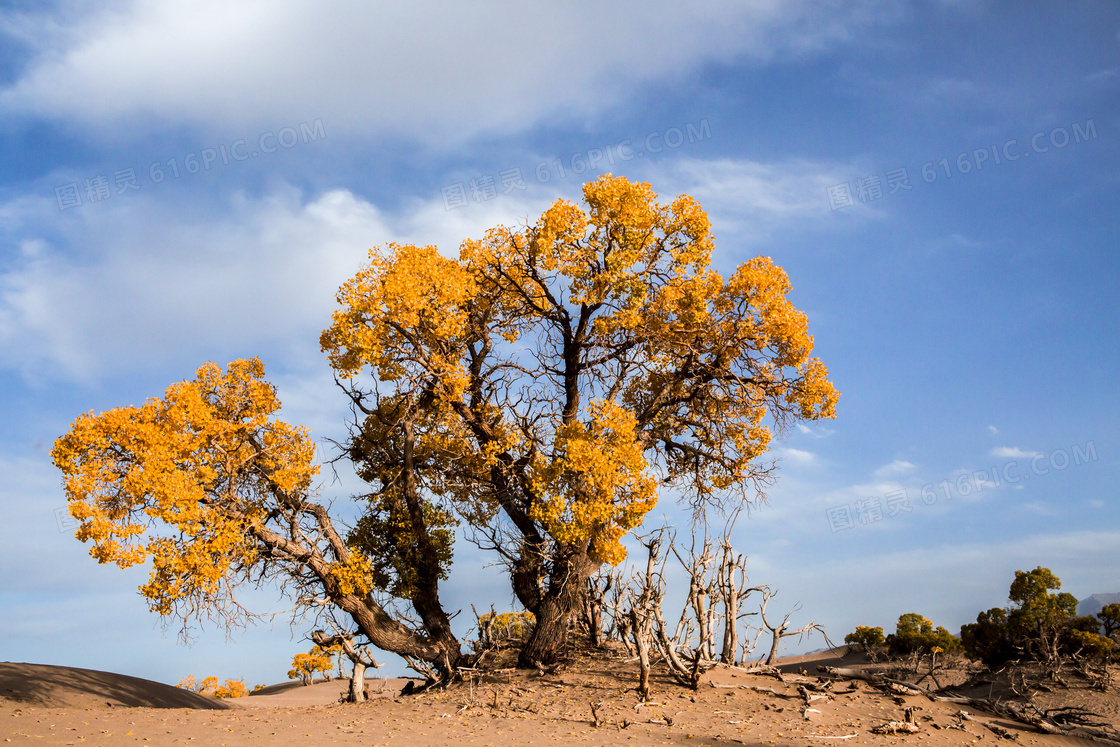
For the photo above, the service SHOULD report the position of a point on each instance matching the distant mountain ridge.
(1094, 604)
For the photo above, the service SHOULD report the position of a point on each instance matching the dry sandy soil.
(60, 705)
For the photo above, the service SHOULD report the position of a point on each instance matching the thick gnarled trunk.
(563, 599)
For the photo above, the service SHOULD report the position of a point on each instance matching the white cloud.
(797, 456)
(448, 71)
(152, 280)
(755, 201)
(993, 430)
(897, 467)
(148, 282)
(1012, 452)
(819, 432)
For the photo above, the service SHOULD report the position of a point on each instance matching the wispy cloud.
(897, 467)
(797, 456)
(756, 200)
(818, 432)
(1013, 452)
(111, 285)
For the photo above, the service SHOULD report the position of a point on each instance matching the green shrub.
(916, 634)
(1110, 619)
(1041, 626)
(865, 636)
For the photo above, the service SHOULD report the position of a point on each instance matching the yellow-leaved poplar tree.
(548, 383)
(317, 661)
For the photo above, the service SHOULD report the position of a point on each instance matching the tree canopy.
(543, 390)
(552, 380)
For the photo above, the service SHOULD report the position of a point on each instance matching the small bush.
(1110, 619)
(915, 634)
(505, 627)
(988, 639)
(1092, 646)
(865, 636)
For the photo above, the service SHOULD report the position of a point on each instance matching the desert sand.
(60, 705)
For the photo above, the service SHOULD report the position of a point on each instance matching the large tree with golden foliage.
(544, 388)
(549, 383)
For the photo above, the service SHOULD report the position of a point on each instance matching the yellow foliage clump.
(183, 480)
(507, 625)
(210, 686)
(597, 487)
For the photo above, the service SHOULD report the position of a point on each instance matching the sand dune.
(508, 708)
(48, 686)
(70, 687)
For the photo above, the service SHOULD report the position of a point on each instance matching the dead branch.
(780, 631)
(909, 726)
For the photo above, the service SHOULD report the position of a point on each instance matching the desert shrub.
(915, 634)
(1042, 617)
(1084, 623)
(506, 626)
(1042, 625)
(870, 639)
(865, 636)
(988, 640)
(1110, 619)
(1092, 646)
(231, 689)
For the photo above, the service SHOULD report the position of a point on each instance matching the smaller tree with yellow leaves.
(317, 661)
(215, 492)
(210, 686)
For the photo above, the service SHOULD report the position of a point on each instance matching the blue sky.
(181, 184)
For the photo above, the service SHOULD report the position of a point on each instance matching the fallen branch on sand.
(1058, 721)
(909, 726)
(997, 730)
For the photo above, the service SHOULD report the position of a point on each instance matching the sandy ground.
(59, 705)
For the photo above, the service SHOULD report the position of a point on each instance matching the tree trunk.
(773, 655)
(358, 683)
(550, 634)
(595, 625)
(567, 587)
(425, 597)
(639, 627)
